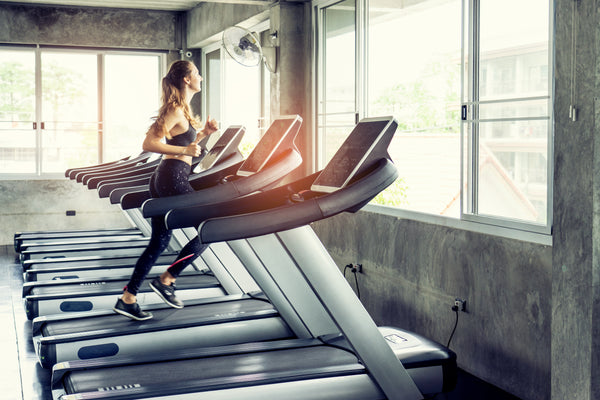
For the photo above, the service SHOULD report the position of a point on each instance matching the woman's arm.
(174, 121)
(210, 126)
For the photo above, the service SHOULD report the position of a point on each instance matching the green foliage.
(394, 195)
(17, 92)
(429, 103)
(60, 88)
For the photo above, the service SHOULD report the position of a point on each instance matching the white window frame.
(100, 53)
(470, 101)
(468, 221)
(214, 46)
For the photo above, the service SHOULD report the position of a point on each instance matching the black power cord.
(455, 309)
(354, 268)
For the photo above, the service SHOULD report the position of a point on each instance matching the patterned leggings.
(169, 179)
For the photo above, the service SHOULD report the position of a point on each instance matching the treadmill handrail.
(274, 172)
(103, 165)
(143, 158)
(220, 225)
(71, 172)
(96, 180)
(134, 197)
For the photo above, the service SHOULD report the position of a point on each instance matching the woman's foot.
(132, 311)
(166, 292)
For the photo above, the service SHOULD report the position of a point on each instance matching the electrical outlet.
(460, 305)
(356, 268)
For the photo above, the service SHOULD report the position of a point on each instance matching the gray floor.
(22, 378)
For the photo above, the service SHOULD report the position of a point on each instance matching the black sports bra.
(183, 139)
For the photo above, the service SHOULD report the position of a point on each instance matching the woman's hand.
(193, 149)
(210, 126)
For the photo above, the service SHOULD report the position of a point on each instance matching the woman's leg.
(192, 250)
(159, 240)
(127, 304)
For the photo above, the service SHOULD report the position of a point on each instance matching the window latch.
(463, 113)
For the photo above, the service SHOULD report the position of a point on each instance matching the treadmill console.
(225, 146)
(353, 153)
(270, 143)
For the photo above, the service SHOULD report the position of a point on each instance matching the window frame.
(100, 53)
(470, 101)
(264, 75)
(498, 226)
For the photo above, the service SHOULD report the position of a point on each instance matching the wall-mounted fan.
(244, 47)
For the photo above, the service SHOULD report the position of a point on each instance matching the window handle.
(464, 115)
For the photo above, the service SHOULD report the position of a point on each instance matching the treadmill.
(38, 236)
(226, 156)
(273, 158)
(337, 345)
(113, 172)
(269, 149)
(58, 244)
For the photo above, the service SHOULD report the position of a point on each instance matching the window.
(62, 108)
(17, 112)
(235, 94)
(69, 126)
(471, 96)
(507, 120)
(337, 89)
(414, 74)
(132, 83)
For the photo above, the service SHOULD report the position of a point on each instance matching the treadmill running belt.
(217, 372)
(104, 287)
(168, 317)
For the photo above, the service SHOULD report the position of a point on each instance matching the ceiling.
(166, 5)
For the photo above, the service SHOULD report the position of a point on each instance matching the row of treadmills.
(268, 315)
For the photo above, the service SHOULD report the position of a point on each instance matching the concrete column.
(291, 84)
(576, 239)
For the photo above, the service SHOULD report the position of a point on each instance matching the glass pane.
(17, 112)
(513, 170)
(513, 154)
(132, 99)
(337, 92)
(513, 59)
(414, 74)
(242, 101)
(69, 110)
(537, 108)
(212, 78)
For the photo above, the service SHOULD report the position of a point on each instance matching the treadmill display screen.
(347, 160)
(216, 152)
(266, 146)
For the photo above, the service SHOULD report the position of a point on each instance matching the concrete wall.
(42, 205)
(413, 271)
(575, 265)
(292, 80)
(89, 27)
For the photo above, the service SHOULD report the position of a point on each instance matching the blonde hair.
(173, 97)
